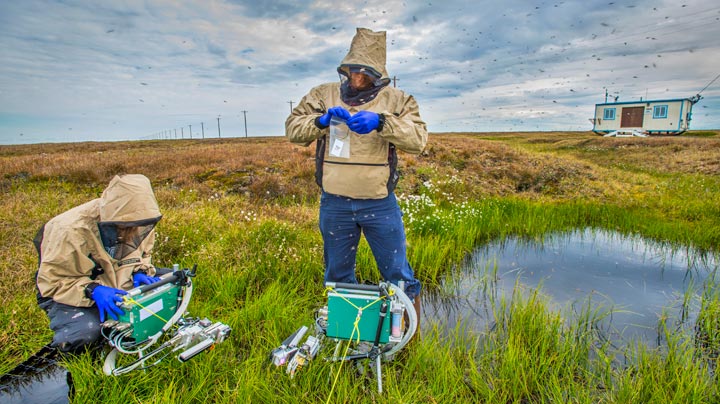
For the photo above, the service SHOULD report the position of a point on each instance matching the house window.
(609, 114)
(660, 111)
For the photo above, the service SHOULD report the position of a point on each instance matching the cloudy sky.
(78, 70)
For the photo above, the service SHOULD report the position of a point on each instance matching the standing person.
(91, 254)
(357, 171)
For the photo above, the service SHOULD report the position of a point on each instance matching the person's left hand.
(363, 122)
(140, 278)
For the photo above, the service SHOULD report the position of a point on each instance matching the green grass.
(701, 133)
(260, 271)
(269, 287)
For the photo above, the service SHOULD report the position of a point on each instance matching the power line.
(713, 80)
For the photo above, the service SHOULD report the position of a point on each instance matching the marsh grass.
(707, 328)
(531, 354)
(670, 375)
(246, 212)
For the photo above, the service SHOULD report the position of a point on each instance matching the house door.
(632, 117)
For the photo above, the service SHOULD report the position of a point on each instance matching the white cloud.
(132, 69)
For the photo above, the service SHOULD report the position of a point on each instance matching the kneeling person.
(91, 254)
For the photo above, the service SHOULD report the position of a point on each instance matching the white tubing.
(139, 362)
(109, 365)
(412, 321)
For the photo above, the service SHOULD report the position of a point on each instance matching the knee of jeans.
(73, 340)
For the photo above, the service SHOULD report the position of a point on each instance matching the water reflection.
(635, 280)
(39, 379)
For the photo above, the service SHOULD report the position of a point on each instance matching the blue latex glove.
(140, 278)
(363, 122)
(339, 112)
(106, 299)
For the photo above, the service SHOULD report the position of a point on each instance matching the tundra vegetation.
(245, 210)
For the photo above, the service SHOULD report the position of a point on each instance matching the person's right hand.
(339, 112)
(106, 299)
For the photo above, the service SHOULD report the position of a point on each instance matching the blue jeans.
(76, 328)
(343, 219)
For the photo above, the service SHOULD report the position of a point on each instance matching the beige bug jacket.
(369, 170)
(73, 248)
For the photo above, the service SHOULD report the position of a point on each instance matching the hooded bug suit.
(358, 190)
(102, 242)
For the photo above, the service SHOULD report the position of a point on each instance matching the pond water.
(49, 385)
(638, 281)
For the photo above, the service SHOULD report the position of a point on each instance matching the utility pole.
(291, 103)
(245, 115)
(202, 125)
(395, 79)
(218, 118)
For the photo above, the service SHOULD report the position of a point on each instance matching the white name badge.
(337, 148)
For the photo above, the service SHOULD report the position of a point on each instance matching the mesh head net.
(121, 239)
